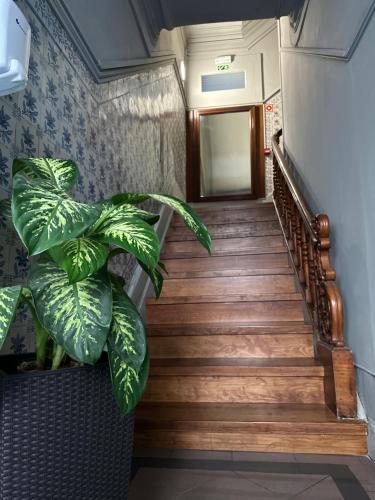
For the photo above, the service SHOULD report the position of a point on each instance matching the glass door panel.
(225, 154)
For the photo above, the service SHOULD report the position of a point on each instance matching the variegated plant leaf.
(115, 213)
(131, 234)
(77, 316)
(61, 173)
(131, 198)
(9, 298)
(191, 220)
(45, 216)
(80, 257)
(127, 334)
(155, 276)
(128, 384)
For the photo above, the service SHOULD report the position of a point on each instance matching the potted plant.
(62, 433)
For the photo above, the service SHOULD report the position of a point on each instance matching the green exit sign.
(223, 67)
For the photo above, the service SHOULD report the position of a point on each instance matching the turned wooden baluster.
(308, 242)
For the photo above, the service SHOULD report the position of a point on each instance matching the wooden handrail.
(295, 191)
(307, 238)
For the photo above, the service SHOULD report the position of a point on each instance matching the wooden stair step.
(196, 299)
(261, 328)
(232, 346)
(236, 388)
(202, 208)
(240, 285)
(218, 231)
(293, 428)
(253, 245)
(234, 262)
(230, 273)
(242, 312)
(255, 214)
(230, 367)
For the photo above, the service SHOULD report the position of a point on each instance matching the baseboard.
(140, 285)
(371, 438)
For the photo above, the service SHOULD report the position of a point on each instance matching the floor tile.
(166, 484)
(284, 484)
(324, 490)
(202, 455)
(326, 459)
(230, 487)
(252, 456)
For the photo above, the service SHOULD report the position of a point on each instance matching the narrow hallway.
(232, 357)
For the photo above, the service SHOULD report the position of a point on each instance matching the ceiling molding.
(238, 37)
(254, 31)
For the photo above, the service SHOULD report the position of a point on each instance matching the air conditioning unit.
(15, 36)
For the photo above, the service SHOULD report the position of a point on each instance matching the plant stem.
(42, 338)
(57, 357)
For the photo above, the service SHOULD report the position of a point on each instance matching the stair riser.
(244, 312)
(235, 390)
(321, 443)
(233, 217)
(232, 346)
(223, 286)
(237, 246)
(245, 262)
(229, 231)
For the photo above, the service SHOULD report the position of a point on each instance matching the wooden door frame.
(193, 153)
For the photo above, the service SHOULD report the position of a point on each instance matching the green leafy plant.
(79, 308)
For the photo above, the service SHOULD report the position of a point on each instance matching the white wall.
(329, 109)
(252, 93)
(257, 55)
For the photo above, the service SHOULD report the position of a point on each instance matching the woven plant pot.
(63, 437)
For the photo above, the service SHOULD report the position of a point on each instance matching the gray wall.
(329, 110)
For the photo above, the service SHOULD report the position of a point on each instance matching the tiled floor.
(199, 475)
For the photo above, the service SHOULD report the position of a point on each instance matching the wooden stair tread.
(265, 286)
(258, 367)
(255, 416)
(258, 261)
(202, 208)
(241, 312)
(239, 230)
(255, 214)
(253, 245)
(255, 328)
(191, 299)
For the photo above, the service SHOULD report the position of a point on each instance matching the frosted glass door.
(225, 154)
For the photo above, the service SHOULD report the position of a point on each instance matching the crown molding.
(254, 31)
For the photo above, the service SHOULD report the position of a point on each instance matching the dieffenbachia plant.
(79, 308)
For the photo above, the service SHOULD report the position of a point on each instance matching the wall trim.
(112, 70)
(371, 438)
(366, 370)
(343, 55)
(140, 286)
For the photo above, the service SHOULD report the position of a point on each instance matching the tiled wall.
(127, 135)
(273, 123)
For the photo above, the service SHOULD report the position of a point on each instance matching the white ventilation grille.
(223, 81)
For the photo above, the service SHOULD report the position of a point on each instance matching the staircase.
(232, 357)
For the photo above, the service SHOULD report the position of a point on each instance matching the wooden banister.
(308, 239)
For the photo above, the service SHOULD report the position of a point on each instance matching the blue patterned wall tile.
(126, 135)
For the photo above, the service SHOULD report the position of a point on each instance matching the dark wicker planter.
(63, 437)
